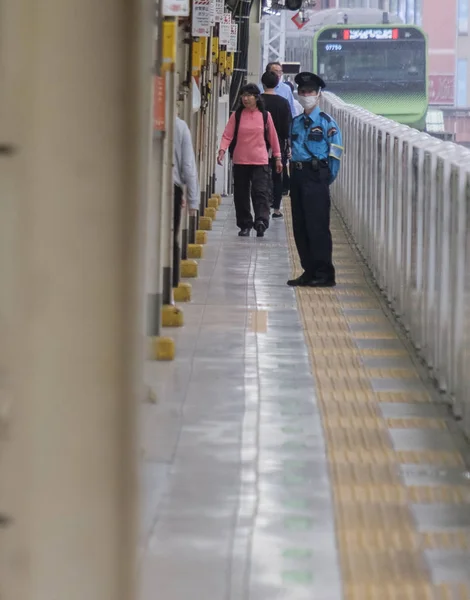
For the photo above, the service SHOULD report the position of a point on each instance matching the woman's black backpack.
(238, 114)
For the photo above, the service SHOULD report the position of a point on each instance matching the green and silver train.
(382, 68)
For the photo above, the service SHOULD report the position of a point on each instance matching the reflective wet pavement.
(294, 452)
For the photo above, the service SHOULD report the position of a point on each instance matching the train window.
(365, 61)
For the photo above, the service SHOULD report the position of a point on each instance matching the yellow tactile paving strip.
(381, 550)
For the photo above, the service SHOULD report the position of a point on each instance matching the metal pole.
(267, 35)
(192, 120)
(154, 214)
(201, 153)
(185, 53)
(215, 118)
(254, 44)
(210, 113)
(166, 182)
(205, 136)
(72, 336)
(282, 37)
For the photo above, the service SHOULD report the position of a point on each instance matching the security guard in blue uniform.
(316, 155)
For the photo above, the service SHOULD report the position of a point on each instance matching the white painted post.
(74, 107)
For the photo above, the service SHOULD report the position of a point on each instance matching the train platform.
(295, 448)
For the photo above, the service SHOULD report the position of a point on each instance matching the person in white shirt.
(184, 174)
(282, 89)
(297, 106)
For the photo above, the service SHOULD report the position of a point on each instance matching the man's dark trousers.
(277, 185)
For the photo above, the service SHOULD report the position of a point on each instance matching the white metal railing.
(405, 197)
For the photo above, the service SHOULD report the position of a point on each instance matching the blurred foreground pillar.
(74, 106)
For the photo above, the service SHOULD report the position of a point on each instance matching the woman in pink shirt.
(249, 148)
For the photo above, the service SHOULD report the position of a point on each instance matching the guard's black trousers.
(310, 202)
(254, 181)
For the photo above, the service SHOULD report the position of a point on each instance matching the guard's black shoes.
(260, 229)
(278, 215)
(299, 281)
(244, 232)
(322, 282)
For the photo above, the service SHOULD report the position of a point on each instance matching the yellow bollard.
(211, 213)
(162, 348)
(182, 293)
(205, 223)
(195, 250)
(188, 268)
(172, 316)
(201, 237)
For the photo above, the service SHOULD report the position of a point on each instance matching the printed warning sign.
(201, 22)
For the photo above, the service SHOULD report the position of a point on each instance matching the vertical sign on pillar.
(196, 58)
(225, 29)
(201, 22)
(219, 10)
(212, 13)
(168, 45)
(159, 104)
(233, 38)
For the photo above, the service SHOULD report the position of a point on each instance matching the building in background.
(447, 26)
(458, 120)
(449, 54)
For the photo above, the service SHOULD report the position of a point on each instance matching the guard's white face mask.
(196, 96)
(308, 102)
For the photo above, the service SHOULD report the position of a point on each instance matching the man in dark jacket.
(282, 117)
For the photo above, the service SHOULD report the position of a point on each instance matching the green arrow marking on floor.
(294, 464)
(298, 577)
(294, 445)
(296, 503)
(291, 429)
(293, 479)
(297, 553)
(298, 523)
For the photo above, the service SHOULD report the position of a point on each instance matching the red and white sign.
(175, 8)
(225, 29)
(201, 21)
(233, 43)
(442, 90)
(299, 20)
